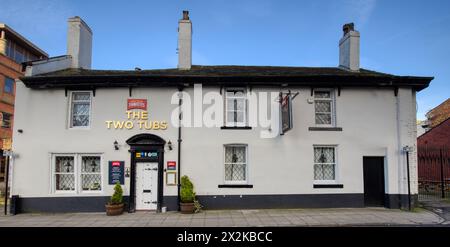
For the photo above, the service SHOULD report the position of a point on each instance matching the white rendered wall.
(282, 165)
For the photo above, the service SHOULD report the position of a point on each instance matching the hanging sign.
(171, 165)
(137, 104)
(116, 172)
(286, 112)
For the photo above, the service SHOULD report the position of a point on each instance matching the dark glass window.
(9, 85)
(6, 122)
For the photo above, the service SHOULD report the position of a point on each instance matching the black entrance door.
(373, 181)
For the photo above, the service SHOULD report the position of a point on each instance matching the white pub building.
(247, 136)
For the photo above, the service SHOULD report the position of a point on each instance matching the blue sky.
(404, 37)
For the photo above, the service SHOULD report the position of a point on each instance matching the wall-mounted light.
(116, 145)
(407, 149)
(169, 145)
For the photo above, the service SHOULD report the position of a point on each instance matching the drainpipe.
(407, 149)
(180, 102)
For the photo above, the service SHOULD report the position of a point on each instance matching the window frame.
(82, 191)
(244, 123)
(237, 182)
(71, 103)
(332, 100)
(336, 165)
(77, 173)
(53, 174)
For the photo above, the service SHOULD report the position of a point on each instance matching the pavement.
(439, 207)
(230, 218)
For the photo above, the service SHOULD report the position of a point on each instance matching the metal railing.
(434, 173)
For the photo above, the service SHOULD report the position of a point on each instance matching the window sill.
(325, 186)
(236, 128)
(325, 128)
(235, 186)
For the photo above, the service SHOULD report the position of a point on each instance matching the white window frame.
(332, 99)
(336, 166)
(77, 172)
(71, 102)
(80, 186)
(246, 164)
(53, 173)
(245, 98)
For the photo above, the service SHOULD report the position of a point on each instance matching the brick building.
(438, 114)
(437, 137)
(14, 50)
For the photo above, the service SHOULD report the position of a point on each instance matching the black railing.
(434, 173)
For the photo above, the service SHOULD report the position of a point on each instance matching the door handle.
(147, 191)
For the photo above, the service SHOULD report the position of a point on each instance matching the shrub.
(187, 194)
(117, 197)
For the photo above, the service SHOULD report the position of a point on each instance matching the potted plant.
(115, 205)
(187, 196)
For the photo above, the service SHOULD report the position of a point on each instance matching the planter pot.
(187, 207)
(112, 210)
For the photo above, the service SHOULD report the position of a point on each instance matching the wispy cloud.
(360, 10)
(41, 17)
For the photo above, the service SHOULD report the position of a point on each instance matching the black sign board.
(286, 112)
(116, 172)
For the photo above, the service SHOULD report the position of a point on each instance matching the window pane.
(235, 172)
(240, 104)
(239, 117)
(322, 94)
(90, 164)
(230, 117)
(6, 123)
(323, 155)
(81, 96)
(230, 104)
(323, 118)
(91, 181)
(323, 106)
(9, 85)
(235, 154)
(64, 164)
(80, 114)
(65, 181)
(324, 172)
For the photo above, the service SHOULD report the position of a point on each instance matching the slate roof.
(223, 76)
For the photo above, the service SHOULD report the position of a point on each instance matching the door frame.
(383, 158)
(146, 143)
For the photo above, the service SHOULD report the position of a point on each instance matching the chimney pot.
(185, 15)
(348, 27)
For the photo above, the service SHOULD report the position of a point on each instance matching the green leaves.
(117, 197)
(187, 193)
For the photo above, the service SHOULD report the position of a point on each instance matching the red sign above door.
(137, 104)
(171, 165)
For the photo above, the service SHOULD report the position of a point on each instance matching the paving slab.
(217, 218)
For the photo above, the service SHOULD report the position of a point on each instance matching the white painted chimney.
(185, 42)
(349, 48)
(79, 43)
